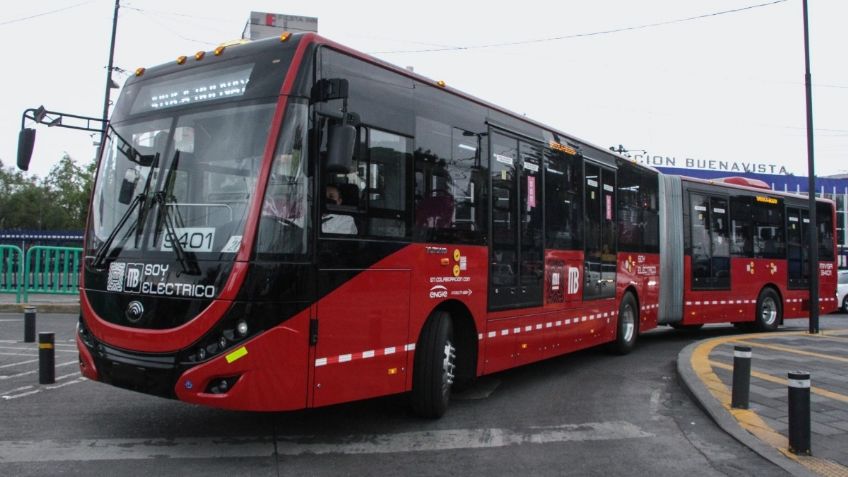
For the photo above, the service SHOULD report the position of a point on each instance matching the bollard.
(799, 413)
(46, 359)
(29, 324)
(741, 377)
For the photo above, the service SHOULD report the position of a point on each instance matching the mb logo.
(133, 281)
(573, 280)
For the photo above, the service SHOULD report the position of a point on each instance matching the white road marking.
(36, 349)
(18, 363)
(213, 447)
(30, 355)
(9, 396)
(25, 373)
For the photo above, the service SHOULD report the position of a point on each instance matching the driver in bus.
(335, 223)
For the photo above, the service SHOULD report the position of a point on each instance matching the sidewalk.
(43, 302)
(706, 368)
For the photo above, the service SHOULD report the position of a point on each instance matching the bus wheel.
(628, 326)
(435, 361)
(768, 310)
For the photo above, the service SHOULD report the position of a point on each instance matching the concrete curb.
(69, 308)
(719, 414)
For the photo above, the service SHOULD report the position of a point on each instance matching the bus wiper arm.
(100, 254)
(188, 263)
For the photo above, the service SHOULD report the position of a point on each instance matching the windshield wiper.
(188, 262)
(100, 254)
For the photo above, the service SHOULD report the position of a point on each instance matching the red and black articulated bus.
(288, 224)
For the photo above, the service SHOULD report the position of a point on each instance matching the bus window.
(720, 238)
(373, 194)
(824, 222)
(504, 221)
(700, 241)
(797, 253)
(449, 184)
(768, 229)
(563, 201)
(740, 227)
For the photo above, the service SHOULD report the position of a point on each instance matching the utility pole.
(109, 81)
(811, 184)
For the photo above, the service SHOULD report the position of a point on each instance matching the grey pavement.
(706, 368)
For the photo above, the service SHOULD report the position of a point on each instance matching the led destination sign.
(194, 88)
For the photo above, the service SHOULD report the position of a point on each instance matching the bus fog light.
(241, 327)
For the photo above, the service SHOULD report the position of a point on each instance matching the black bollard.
(799, 413)
(741, 377)
(29, 324)
(46, 359)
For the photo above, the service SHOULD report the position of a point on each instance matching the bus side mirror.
(329, 88)
(26, 142)
(340, 146)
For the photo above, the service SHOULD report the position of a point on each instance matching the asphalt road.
(588, 413)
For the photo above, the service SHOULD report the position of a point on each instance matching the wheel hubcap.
(628, 321)
(768, 312)
(448, 366)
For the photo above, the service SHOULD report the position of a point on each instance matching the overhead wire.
(50, 12)
(587, 34)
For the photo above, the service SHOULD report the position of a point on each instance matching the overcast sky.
(727, 87)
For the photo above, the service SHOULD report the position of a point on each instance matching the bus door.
(599, 265)
(710, 243)
(516, 271)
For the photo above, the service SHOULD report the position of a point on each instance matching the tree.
(59, 202)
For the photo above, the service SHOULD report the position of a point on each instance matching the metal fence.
(41, 270)
(11, 270)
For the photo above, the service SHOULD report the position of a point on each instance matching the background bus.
(289, 224)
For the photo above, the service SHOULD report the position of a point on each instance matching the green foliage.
(57, 202)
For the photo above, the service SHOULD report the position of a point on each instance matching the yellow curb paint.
(778, 380)
(237, 354)
(787, 349)
(749, 420)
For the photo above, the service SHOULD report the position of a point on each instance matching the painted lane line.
(8, 396)
(22, 355)
(18, 363)
(31, 349)
(358, 444)
(777, 380)
(26, 373)
(787, 349)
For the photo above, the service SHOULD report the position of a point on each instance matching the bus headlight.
(241, 327)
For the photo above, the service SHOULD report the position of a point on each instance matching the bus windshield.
(184, 176)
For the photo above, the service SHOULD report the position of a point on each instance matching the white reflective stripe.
(504, 332)
(528, 328)
(492, 334)
(559, 323)
(799, 383)
(568, 321)
(368, 354)
(548, 324)
(742, 354)
(539, 326)
(409, 347)
(516, 330)
(479, 336)
(389, 350)
(320, 362)
(345, 358)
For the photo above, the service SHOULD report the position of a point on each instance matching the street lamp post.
(811, 184)
(109, 81)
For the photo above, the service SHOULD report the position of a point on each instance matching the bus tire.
(435, 361)
(627, 326)
(769, 311)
